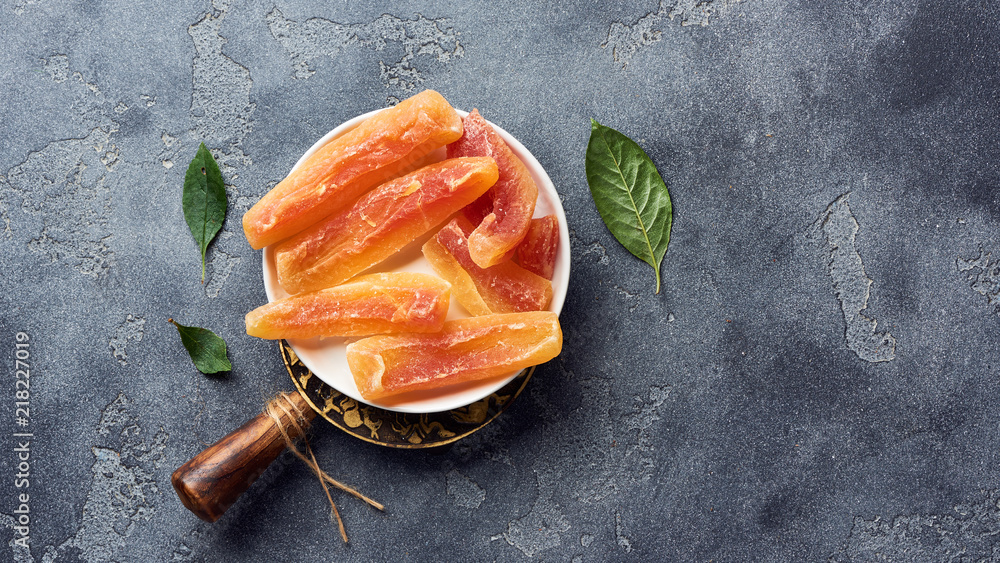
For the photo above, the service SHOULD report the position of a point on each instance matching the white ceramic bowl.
(327, 357)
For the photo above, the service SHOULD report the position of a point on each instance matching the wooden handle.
(211, 481)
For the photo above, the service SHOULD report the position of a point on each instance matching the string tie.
(292, 423)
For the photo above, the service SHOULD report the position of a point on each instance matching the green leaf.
(208, 351)
(204, 200)
(630, 195)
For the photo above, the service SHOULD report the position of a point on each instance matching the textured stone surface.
(753, 410)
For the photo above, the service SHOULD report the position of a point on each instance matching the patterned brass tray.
(396, 429)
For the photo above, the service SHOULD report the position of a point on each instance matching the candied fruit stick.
(465, 350)
(460, 279)
(379, 224)
(388, 144)
(476, 211)
(386, 303)
(510, 203)
(504, 288)
(537, 252)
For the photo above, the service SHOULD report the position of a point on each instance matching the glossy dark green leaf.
(204, 200)
(630, 195)
(208, 351)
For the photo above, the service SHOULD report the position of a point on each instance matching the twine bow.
(283, 405)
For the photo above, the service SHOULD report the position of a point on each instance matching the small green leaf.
(630, 195)
(208, 351)
(204, 200)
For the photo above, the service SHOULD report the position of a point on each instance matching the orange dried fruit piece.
(503, 215)
(504, 288)
(380, 223)
(537, 252)
(388, 144)
(465, 350)
(385, 303)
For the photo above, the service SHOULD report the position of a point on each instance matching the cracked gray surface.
(65, 186)
(465, 492)
(852, 285)
(317, 37)
(964, 533)
(625, 39)
(745, 413)
(983, 275)
(123, 494)
(130, 329)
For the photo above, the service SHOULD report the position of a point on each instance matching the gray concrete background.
(832, 165)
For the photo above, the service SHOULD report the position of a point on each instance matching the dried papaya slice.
(385, 303)
(504, 288)
(380, 223)
(388, 144)
(508, 206)
(537, 252)
(465, 350)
